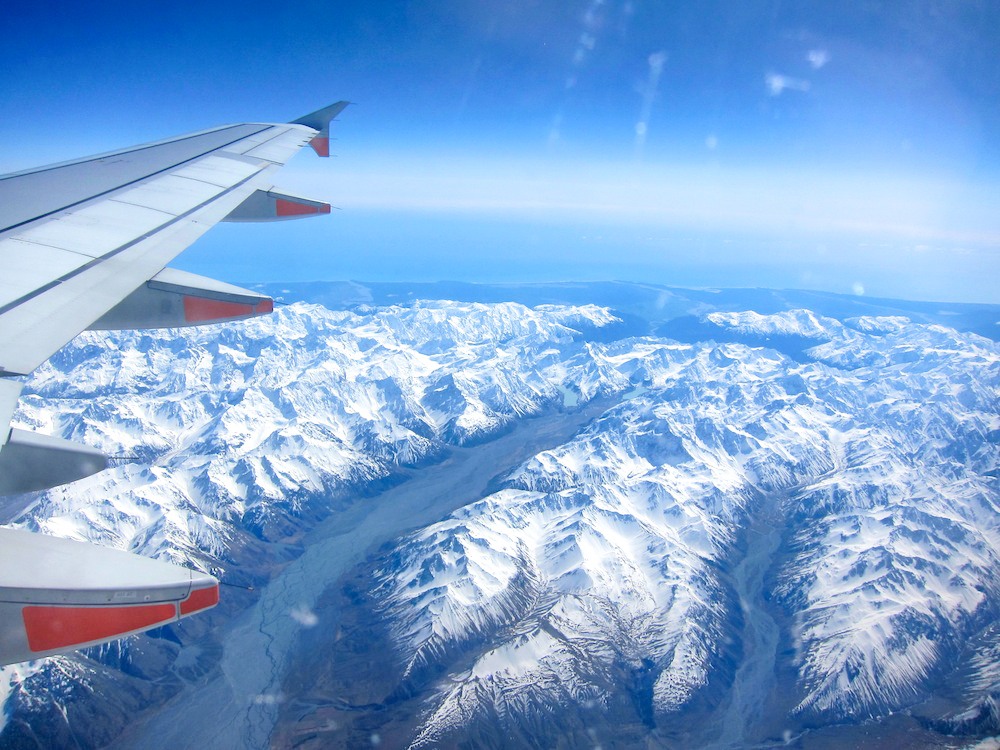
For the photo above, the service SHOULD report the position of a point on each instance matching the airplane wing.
(85, 245)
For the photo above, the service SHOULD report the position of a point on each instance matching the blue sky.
(846, 147)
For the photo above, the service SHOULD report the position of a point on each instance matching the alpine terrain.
(656, 518)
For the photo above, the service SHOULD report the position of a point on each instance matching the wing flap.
(29, 266)
(170, 193)
(279, 151)
(222, 171)
(95, 230)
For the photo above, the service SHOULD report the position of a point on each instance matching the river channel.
(236, 706)
(755, 677)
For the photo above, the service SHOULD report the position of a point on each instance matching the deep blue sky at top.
(841, 146)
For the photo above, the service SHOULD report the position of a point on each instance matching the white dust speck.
(269, 699)
(649, 92)
(777, 83)
(818, 58)
(304, 617)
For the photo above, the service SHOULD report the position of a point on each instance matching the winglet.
(320, 120)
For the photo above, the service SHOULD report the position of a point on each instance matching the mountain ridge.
(875, 444)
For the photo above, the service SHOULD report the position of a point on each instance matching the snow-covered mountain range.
(612, 554)
(232, 428)
(597, 594)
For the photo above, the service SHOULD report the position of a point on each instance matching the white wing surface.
(85, 244)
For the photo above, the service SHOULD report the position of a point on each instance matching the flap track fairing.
(174, 299)
(270, 205)
(31, 461)
(59, 594)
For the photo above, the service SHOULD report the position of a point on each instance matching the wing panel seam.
(140, 205)
(27, 241)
